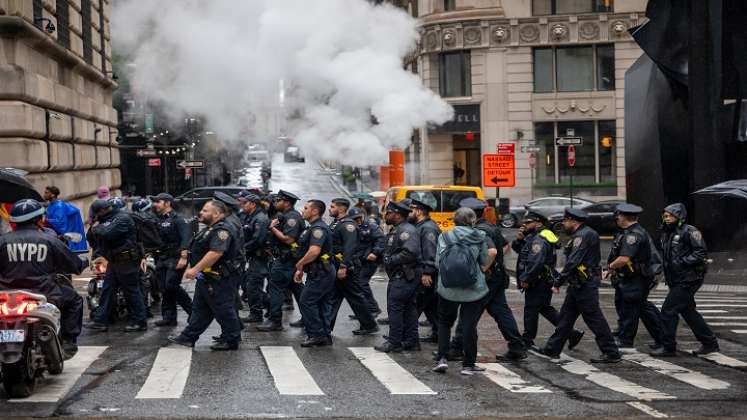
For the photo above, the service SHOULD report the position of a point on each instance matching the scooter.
(119, 309)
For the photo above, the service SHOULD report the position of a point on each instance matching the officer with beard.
(256, 226)
(428, 232)
(583, 275)
(629, 267)
(684, 272)
(535, 274)
(402, 264)
(345, 243)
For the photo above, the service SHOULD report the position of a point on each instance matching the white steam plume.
(339, 60)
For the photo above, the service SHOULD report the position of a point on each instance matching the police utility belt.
(284, 254)
(323, 263)
(168, 253)
(126, 256)
(583, 275)
(406, 273)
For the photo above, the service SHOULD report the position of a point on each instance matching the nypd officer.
(256, 226)
(285, 230)
(428, 232)
(402, 264)
(30, 259)
(684, 255)
(535, 274)
(315, 251)
(213, 257)
(629, 267)
(582, 273)
(344, 246)
(172, 259)
(369, 253)
(116, 239)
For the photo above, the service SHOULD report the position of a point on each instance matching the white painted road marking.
(509, 380)
(712, 311)
(680, 373)
(288, 372)
(54, 387)
(648, 410)
(716, 305)
(724, 360)
(736, 318)
(397, 380)
(168, 375)
(728, 324)
(739, 331)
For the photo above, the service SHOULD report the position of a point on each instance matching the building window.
(595, 158)
(85, 12)
(574, 69)
(449, 5)
(455, 74)
(566, 7)
(63, 25)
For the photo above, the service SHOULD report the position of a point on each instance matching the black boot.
(388, 347)
(268, 326)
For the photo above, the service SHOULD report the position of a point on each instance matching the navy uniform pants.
(281, 280)
(680, 301)
(170, 283)
(427, 301)
(538, 301)
(350, 289)
(632, 306)
(124, 275)
(364, 279)
(316, 303)
(403, 312)
(214, 301)
(254, 285)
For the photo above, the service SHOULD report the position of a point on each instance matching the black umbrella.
(14, 187)
(736, 188)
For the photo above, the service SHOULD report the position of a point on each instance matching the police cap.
(141, 205)
(247, 196)
(26, 210)
(225, 198)
(100, 205)
(164, 197)
(398, 207)
(341, 202)
(629, 209)
(287, 196)
(575, 214)
(533, 216)
(420, 205)
(117, 202)
(356, 213)
(407, 202)
(473, 203)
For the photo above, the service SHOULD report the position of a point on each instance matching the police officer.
(535, 269)
(237, 231)
(315, 250)
(582, 273)
(497, 280)
(256, 226)
(370, 251)
(172, 259)
(285, 230)
(213, 257)
(428, 232)
(345, 243)
(684, 255)
(632, 278)
(115, 235)
(402, 264)
(30, 259)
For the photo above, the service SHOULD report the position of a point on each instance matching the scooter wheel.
(17, 380)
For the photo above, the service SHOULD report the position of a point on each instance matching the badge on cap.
(631, 239)
(292, 222)
(404, 236)
(350, 228)
(317, 234)
(536, 248)
(577, 242)
(223, 235)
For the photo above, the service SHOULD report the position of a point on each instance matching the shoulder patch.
(391, 240)
(404, 236)
(223, 235)
(536, 248)
(292, 222)
(631, 239)
(430, 236)
(317, 233)
(697, 235)
(577, 242)
(349, 227)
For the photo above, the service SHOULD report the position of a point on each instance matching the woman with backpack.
(463, 255)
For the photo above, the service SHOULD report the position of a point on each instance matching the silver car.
(545, 206)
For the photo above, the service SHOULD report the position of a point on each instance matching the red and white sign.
(499, 170)
(154, 162)
(506, 148)
(571, 156)
(532, 160)
(188, 173)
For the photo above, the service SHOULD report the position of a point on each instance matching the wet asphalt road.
(124, 378)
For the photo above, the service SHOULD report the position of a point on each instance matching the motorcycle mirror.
(73, 236)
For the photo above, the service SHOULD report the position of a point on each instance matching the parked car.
(190, 203)
(443, 198)
(545, 206)
(601, 217)
(293, 154)
(258, 155)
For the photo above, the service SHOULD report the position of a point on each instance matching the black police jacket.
(428, 231)
(402, 253)
(30, 259)
(345, 241)
(176, 234)
(372, 241)
(632, 242)
(497, 272)
(317, 234)
(684, 254)
(292, 225)
(582, 257)
(256, 228)
(116, 234)
(220, 237)
(537, 257)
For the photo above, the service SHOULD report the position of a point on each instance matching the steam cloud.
(340, 62)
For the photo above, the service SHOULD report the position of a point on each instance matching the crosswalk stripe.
(288, 372)
(724, 317)
(723, 360)
(648, 410)
(509, 380)
(717, 305)
(679, 373)
(393, 376)
(728, 324)
(712, 311)
(168, 375)
(710, 300)
(607, 380)
(54, 387)
(739, 331)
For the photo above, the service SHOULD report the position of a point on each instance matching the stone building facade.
(56, 115)
(526, 72)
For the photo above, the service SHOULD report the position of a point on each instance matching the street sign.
(149, 123)
(530, 149)
(146, 152)
(499, 169)
(154, 162)
(571, 156)
(532, 160)
(568, 141)
(191, 164)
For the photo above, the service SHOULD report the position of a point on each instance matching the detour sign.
(499, 169)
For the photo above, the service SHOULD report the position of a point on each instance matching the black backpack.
(458, 267)
(148, 234)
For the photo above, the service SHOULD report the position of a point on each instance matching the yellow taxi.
(443, 198)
